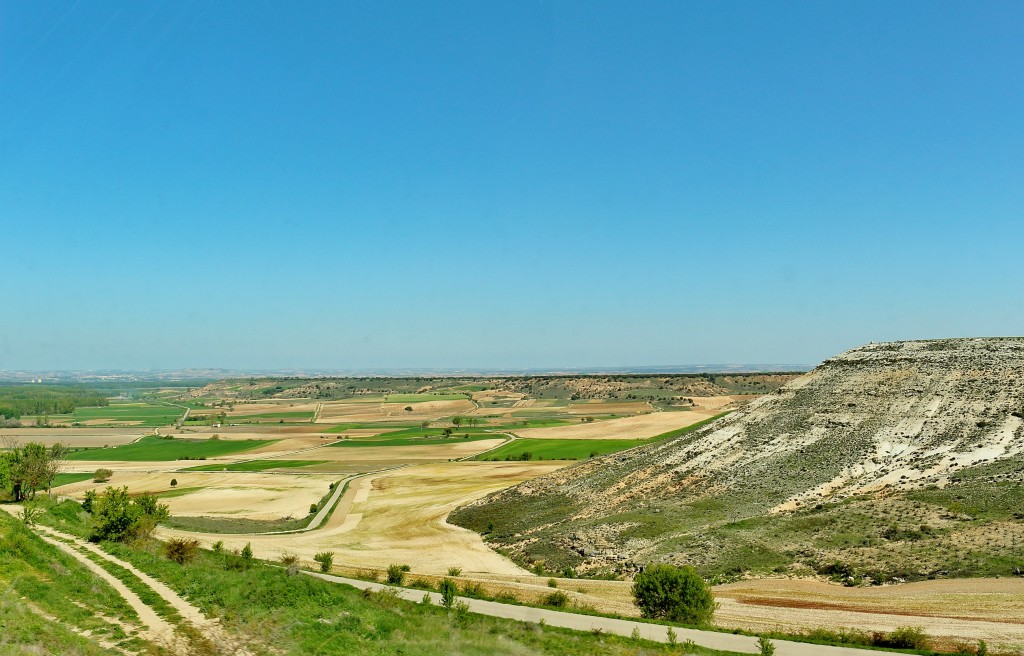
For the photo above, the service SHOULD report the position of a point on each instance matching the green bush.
(448, 590)
(904, 637)
(673, 593)
(396, 574)
(102, 475)
(555, 599)
(118, 517)
(326, 560)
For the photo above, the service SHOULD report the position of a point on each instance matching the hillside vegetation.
(892, 461)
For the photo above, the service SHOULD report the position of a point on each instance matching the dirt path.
(655, 632)
(155, 629)
(159, 631)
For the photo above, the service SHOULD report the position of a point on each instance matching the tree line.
(18, 400)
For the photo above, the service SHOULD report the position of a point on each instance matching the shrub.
(904, 637)
(218, 546)
(454, 571)
(448, 590)
(552, 583)
(396, 575)
(326, 560)
(555, 599)
(247, 554)
(181, 550)
(90, 499)
(102, 475)
(174, 482)
(766, 646)
(118, 517)
(289, 559)
(312, 509)
(673, 593)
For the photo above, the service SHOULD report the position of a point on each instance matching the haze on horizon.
(540, 185)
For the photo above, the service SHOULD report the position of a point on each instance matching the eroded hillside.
(896, 460)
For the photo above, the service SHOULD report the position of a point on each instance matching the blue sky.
(532, 184)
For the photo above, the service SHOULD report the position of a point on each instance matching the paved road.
(655, 632)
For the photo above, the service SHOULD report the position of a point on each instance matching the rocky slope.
(866, 431)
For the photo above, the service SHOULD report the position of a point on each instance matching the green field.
(156, 448)
(257, 465)
(530, 449)
(131, 414)
(67, 479)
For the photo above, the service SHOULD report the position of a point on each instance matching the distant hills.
(173, 375)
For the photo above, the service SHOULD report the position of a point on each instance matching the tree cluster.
(18, 400)
(24, 470)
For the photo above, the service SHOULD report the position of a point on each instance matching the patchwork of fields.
(373, 476)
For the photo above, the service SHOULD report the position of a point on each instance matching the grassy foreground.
(275, 612)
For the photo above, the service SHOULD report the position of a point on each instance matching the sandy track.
(399, 517)
(161, 631)
(625, 428)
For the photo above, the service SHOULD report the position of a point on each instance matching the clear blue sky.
(523, 184)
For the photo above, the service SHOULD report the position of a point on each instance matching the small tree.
(90, 499)
(396, 574)
(673, 593)
(118, 517)
(102, 475)
(326, 560)
(766, 646)
(448, 590)
(174, 482)
(247, 555)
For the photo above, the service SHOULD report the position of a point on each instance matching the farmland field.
(121, 414)
(257, 465)
(532, 449)
(153, 448)
(405, 471)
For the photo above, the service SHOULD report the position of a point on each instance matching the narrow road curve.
(654, 632)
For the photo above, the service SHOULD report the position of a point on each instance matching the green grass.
(257, 465)
(68, 478)
(49, 578)
(303, 615)
(156, 448)
(558, 449)
(136, 414)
